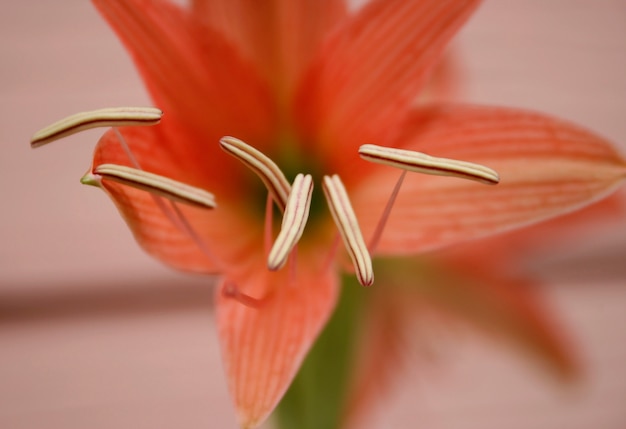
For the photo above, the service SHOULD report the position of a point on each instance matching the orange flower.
(309, 86)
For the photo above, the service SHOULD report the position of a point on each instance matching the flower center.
(293, 200)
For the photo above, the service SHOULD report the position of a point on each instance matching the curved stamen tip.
(421, 163)
(269, 173)
(154, 184)
(108, 117)
(294, 220)
(346, 221)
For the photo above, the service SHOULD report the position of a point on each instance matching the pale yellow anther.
(345, 219)
(269, 173)
(422, 163)
(294, 220)
(109, 117)
(152, 183)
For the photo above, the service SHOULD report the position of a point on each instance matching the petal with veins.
(370, 70)
(155, 226)
(278, 36)
(547, 168)
(263, 347)
(193, 74)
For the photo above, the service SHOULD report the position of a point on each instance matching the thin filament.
(380, 227)
(269, 223)
(230, 290)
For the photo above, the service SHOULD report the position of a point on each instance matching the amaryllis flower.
(300, 119)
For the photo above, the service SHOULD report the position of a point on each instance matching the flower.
(307, 88)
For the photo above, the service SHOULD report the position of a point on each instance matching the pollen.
(346, 221)
(294, 220)
(107, 117)
(152, 183)
(269, 173)
(422, 163)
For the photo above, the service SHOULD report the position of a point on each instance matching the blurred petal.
(511, 308)
(405, 320)
(192, 73)
(504, 250)
(278, 36)
(263, 347)
(226, 232)
(383, 347)
(371, 69)
(547, 168)
(446, 82)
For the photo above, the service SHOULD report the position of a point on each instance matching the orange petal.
(422, 294)
(537, 240)
(192, 73)
(510, 307)
(217, 239)
(547, 168)
(371, 69)
(263, 345)
(278, 36)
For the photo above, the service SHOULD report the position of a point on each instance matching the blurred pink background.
(95, 334)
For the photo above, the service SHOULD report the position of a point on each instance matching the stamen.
(109, 117)
(422, 163)
(155, 184)
(272, 177)
(230, 290)
(294, 220)
(345, 219)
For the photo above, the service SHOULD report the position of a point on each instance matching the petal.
(510, 307)
(263, 347)
(547, 168)
(546, 237)
(426, 298)
(278, 36)
(371, 69)
(217, 239)
(192, 73)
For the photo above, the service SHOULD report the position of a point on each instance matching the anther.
(109, 117)
(422, 163)
(345, 219)
(294, 220)
(230, 290)
(153, 183)
(272, 177)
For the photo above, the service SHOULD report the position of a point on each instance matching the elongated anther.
(269, 173)
(294, 220)
(109, 117)
(422, 163)
(152, 183)
(345, 219)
